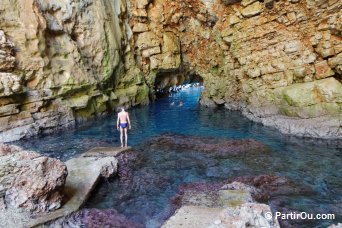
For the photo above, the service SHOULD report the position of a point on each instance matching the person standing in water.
(122, 123)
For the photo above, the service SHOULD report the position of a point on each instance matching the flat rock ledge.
(84, 172)
(105, 151)
(233, 208)
(245, 215)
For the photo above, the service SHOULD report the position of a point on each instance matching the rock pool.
(158, 172)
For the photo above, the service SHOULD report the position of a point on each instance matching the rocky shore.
(36, 190)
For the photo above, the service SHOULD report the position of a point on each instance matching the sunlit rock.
(249, 214)
(252, 10)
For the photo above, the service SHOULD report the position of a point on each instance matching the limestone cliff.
(279, 62)
(62, 62)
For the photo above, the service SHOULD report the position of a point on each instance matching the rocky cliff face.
(63, 62)
(279, 62)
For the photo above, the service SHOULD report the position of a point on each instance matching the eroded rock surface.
(29, 180)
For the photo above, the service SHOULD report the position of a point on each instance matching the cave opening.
(172, 82)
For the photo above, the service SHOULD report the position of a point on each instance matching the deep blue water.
(315, 164)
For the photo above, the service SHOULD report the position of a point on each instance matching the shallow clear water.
(315, 164)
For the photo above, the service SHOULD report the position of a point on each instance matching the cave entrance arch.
(166, 80)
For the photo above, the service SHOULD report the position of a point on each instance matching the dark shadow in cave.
(167, 82)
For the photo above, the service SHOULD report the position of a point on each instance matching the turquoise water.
(314, 164)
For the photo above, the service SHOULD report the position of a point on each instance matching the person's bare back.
(123, 117)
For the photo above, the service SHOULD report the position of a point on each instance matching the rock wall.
(279, 62)
(63, 62)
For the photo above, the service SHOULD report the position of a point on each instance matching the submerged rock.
(146, 182)
(212, 146)
(126, 162)
(188, 192)
(270, 186)
(29, 180)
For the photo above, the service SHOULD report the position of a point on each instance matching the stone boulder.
(29, 180)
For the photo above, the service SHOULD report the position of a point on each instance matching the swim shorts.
(123, 125)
